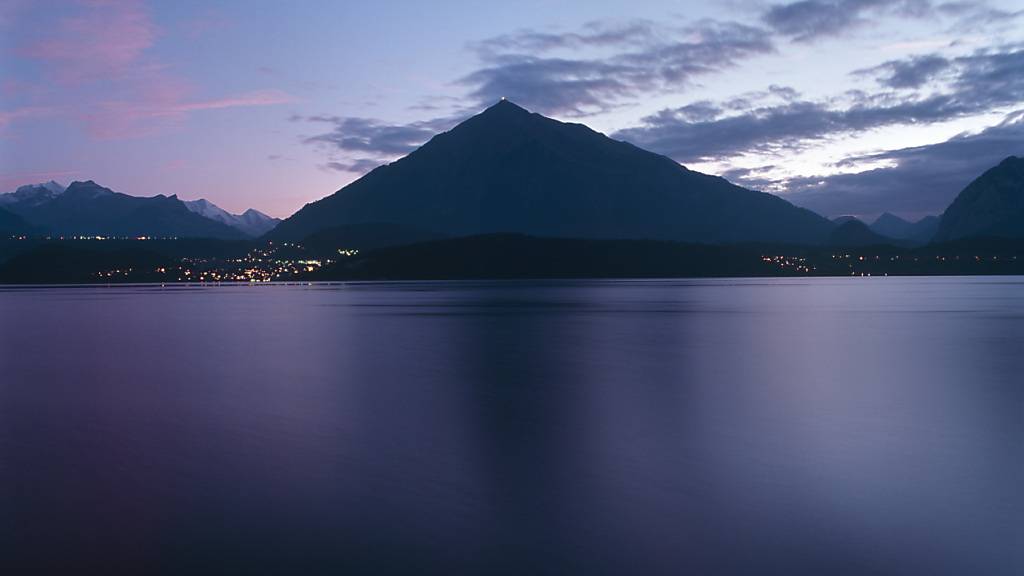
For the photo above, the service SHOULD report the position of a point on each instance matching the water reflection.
(825, 426)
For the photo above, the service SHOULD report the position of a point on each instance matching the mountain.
(88, 209)
(518, 256)
(251, 222)
(57, 264)
(840, 220)
(893, 226)
(11, 223)
(855, 233)
(991, 205)
(364, 237)
(32, 194)
(507, 170)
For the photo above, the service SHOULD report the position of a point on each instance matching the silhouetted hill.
(518, 256)
(11, 223)
(88, 209)
(365, 237)
(991, 205)
(507, 170)
(892, 226)
(61, 264)
(855, 233)
(840, 220)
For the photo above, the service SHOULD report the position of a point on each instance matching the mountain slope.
(11, 223)
(991, 205)
(88, 209)
(251, 222)
(855, 233)
(895, 227)
(364, 237)
(32, 194)
(507, 170)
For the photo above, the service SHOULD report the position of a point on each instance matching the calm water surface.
(828, 426)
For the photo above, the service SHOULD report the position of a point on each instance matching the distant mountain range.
(887, 228)
(507, 170)
(853, 232)
(992, 205)
(251, 222)
(892, 226)
(88, 209)
(11, 223)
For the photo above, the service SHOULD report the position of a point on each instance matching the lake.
(769, 426)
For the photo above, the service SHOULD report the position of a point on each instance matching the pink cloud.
(105, 75)
(124, 119)
(8, 116)
(107, 38)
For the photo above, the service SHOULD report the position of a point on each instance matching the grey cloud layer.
(644, 58)
(704, 130)
(367, 143)
(811, 20)
(923, 180)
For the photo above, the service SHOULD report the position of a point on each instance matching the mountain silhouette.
(507, 170)
(32, 194)
(363, 237)
(920, 232)
(853, 232)
(88, 209)
(251, 222)
(991, 205)
(11, 223)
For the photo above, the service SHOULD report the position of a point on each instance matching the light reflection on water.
(839, 426)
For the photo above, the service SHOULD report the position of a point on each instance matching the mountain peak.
(508, 170)
(890, 218)
(504, 108)
(87, 187)
(506, 104)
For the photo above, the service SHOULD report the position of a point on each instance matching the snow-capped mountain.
(251, 222)
(33, 194)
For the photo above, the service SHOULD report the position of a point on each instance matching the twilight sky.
(842, 106)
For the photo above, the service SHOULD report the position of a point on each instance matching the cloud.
(812, 20)
(916, 181)
(809, 20)
(106, 39)
(701, 131)
(373, 136)
(545, 72)
(99, 69)
(160, 107)
(9, 116)
(357, 166)
(912, 72)
(978, 16)
(365, 143)
(593, 34)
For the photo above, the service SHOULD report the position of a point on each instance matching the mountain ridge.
(921, 231)
(991, 205)
(85, 208)
(508, 170)
(251, 222)
(46, 208)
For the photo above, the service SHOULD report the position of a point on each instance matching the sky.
(847, 107)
